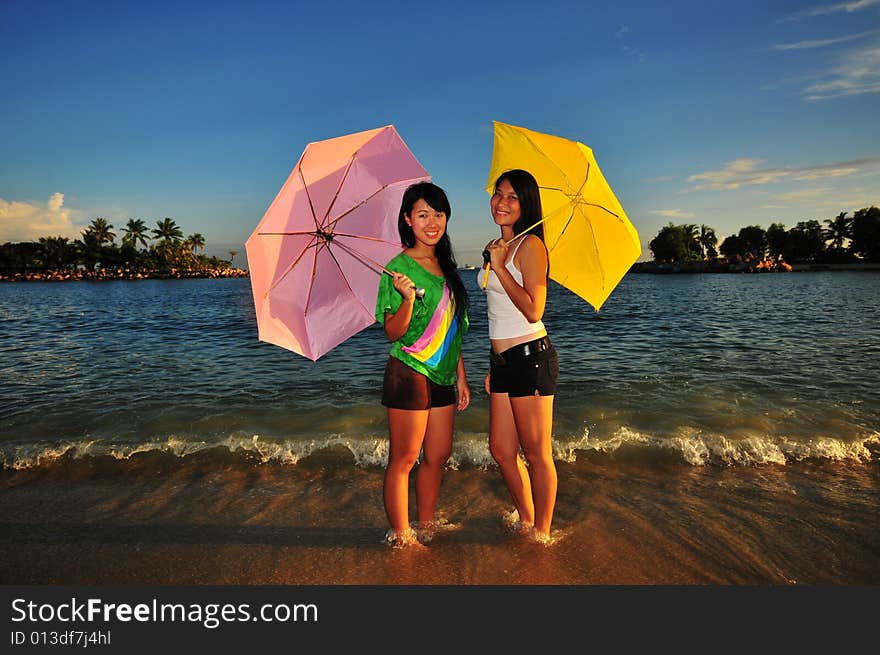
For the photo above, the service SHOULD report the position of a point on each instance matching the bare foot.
(514, 524)
(401, 539)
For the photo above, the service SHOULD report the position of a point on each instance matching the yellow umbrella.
(591, 242)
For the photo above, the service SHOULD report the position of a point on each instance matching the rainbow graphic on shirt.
(432, 346)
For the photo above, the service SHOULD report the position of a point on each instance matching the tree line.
(842, 239)
(163, 247)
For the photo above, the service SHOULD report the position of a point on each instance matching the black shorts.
(406, 388)
(527, 369)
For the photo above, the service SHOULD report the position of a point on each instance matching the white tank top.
(505, 320)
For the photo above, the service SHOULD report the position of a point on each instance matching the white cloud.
(673, 213)
(828, 171)
(858, 74)
(821, 43)
(841, 7)
(802, 195)
(28, 221)
(848, 7)
(824, 200)
(625, 47)
(745, 172)
(735, 174)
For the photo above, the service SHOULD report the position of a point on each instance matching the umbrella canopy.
(591, 242)
(316, 256)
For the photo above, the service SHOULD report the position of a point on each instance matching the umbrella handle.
(488, 266)
(372, 263)
(487, 259)
(420, 292)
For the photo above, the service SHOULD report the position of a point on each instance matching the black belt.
(521, 350)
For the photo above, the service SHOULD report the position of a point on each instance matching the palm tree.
(232, 254)
(169, 235)
(195, 242)
(167, 230)
(839, 229)
(708, 241)
(777, 240)
(192, 243)
(101, 231)
(92, 248)
(55, 252)
(692, 241)
(88, 249)
(135, 232)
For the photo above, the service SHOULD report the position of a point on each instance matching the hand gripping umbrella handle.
(374, 265)
(487, 259)
(487, 264)
(420, 291)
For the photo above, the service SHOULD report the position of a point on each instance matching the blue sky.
(719, 113)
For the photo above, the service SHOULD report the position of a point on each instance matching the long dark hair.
(437, 200)
(526, 188)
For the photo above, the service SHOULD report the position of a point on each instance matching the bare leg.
(533, 416)
(435, 452)
(504, 445)
(406, 430)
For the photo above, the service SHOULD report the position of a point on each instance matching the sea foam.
(693, 446)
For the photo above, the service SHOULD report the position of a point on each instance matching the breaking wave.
(470, 449)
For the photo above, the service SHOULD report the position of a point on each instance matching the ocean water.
(708, 370)
(709, 429)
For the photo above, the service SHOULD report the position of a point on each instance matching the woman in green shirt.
(425, 367)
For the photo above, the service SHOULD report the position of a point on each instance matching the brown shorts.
(406, 388)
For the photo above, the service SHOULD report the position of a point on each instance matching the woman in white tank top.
(523, 364)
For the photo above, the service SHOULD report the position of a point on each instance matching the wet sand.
(159, 519)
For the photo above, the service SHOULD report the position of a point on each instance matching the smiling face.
(505, 204)
(427, 223)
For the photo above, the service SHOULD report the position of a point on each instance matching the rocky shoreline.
(122, 274)
(748, 267)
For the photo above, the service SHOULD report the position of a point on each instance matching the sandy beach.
(160, 443)
(159, 519)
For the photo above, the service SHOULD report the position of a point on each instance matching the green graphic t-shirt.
(432, 342)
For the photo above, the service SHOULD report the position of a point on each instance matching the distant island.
(723, 265)
(144, 253)
(844, 243)
(123, 273)
(162, 252)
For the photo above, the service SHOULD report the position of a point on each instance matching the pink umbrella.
(316, 256)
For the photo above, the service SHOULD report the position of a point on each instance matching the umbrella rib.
(339, 234)
(319, 244)
(592, 204)
(553, 188)
(564, 228)
(362, 258)
(544, 219)
(549, 159)
(586, 177)
(595, 245)
(332, 223)
(604, 209)
(308, 195)
(342, 273)
(339, 188)
(264, 234)
(364, 237)
(291, 267)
